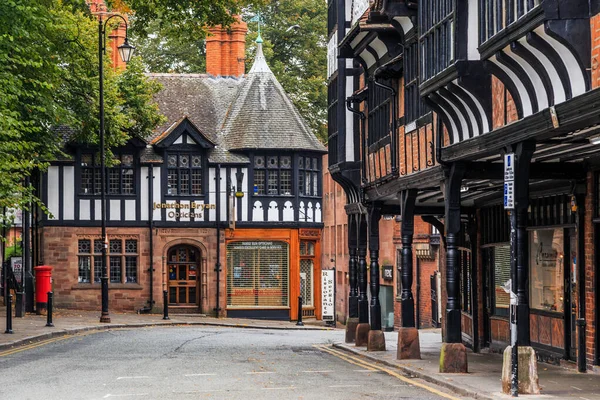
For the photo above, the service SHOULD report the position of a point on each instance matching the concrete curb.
(460, 390)
(72, 331)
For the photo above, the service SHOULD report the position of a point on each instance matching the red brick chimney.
(116, 37)
(226, 49)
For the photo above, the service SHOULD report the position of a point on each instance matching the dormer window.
(184, 174)
(273, 175)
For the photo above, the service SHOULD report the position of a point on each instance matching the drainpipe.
(218, 210)
(148, 307)
(418, 294)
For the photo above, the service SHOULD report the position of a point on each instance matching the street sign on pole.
(509, 181)
(328, 294)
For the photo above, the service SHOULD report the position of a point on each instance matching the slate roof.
(262, 116)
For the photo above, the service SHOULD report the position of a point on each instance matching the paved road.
(195, 363)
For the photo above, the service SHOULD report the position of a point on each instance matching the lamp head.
(126, 51)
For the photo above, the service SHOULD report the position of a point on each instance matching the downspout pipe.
(148, 307)
(218, 211)
(394, 118)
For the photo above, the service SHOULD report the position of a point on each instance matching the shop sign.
(387, 272)
(257, 246)
(328, 294)
(16, 263)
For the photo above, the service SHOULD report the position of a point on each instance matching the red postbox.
(43, 285)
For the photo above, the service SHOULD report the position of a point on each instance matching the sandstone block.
(453, 358)
(409, 347)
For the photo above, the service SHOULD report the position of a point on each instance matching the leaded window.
(495, 15)
(184, 174)
(308, 176)
(437, 28)
(273, 175)
(380, 111)
(120, 177)
(122, 260)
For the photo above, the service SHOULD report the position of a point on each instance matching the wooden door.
(183, 265)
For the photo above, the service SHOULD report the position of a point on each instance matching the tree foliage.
(49, 87)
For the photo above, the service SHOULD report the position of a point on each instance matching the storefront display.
(546, 252)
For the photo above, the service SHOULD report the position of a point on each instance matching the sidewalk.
(485, 371)
(67, 322)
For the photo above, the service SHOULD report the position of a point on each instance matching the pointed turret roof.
(263, 117)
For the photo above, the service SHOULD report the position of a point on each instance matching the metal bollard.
(49, 315)
(165, 306)
(299, 323)
(9, 315)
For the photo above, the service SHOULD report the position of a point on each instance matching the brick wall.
(590, 277)
(226, 50)
(595, 30)
(504, 110)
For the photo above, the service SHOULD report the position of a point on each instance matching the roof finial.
(259, 19)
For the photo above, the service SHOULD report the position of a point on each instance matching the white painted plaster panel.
(68, 193)
(144, 196)
(84, 210)
(536, 80)
(318, 216)
(184, 210)
(273, 212)
(115, 210)
(288, 211)
(179, 140)
(349, 122)
(473, 30)
(97, 210)
(53, 195)
(212, 198)
(157, 194)
(171, 212)
(257, 212)
(557, 86)
(245, 198)
(130, 210)
(525, 100)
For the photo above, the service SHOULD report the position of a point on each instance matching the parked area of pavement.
(482, 381)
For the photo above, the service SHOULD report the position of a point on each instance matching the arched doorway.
(183, 278)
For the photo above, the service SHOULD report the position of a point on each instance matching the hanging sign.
(328, 294)
(16, 263)
(509, 181)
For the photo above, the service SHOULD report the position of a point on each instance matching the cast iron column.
(352, 266)
(363, 301)
(523, 154)
(453, 316)
(408, 226)
(374, 217)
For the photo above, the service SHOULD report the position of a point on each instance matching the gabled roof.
(261, 115)
(183, 127)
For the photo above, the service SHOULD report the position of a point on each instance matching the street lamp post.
(125, 51)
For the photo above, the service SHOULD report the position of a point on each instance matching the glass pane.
(182, 295)
(172, 182)
(115, 270)
(131, 246)
(547, 269)
(307, 162)
(301, 182)
(272, 162)
(116, 246)
(315, 164)
(182, 272)
(307, 183)
(87, 180)
(128, 181)
(84, 246)
(286, 182)
(97, 269)
(97, 246)
(315, 179)
(97, 181)
(192, 292)
(272, 182)
(306, 282)
(84, 269)
(286, 161)
(259, 182)
(172, 160)
(196, 161)
(301, 162)
(259, 162)
(130, 269)
(302, 248)
(184, 181)
(184, 161)
(172, 295)
(114, 180)
(127, 160)
(196, 182)
(311, 248)
(182, 253)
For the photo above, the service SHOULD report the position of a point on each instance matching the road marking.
(365, 370)
(575, 387)
(343, 386)
(199, 391)
(133, 377)
(125, 395)
(318, 372)
(200, 374)
(260, 372)
(279, 388)
(366, 364)
(42, 343)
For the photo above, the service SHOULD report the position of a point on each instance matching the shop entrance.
(182, 269)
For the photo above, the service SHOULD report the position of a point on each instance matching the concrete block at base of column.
(453, 358)
(351, 324)
(529, 382)
(362, 334)
(376, 341)
(409, 347)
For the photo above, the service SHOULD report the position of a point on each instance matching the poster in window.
(547, 269)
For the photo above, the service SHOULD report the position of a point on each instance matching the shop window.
(123, 261)
(273, 175)
(257, 274)
(120, 178)
(546, 263)
(307, 266)
(184, 174)
(308, 176)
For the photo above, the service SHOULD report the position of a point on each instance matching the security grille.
(306, 282)
(257, 274)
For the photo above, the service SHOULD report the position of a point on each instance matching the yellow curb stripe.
(41, 343)
(412, 382)
(346, 358)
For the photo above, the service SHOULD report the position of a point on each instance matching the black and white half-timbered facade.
(480, 116)
(221, 207)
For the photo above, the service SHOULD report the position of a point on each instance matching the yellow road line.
(42, 343)
(359, 361)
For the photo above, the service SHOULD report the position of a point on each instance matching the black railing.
(496, 15)
(437, 36)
